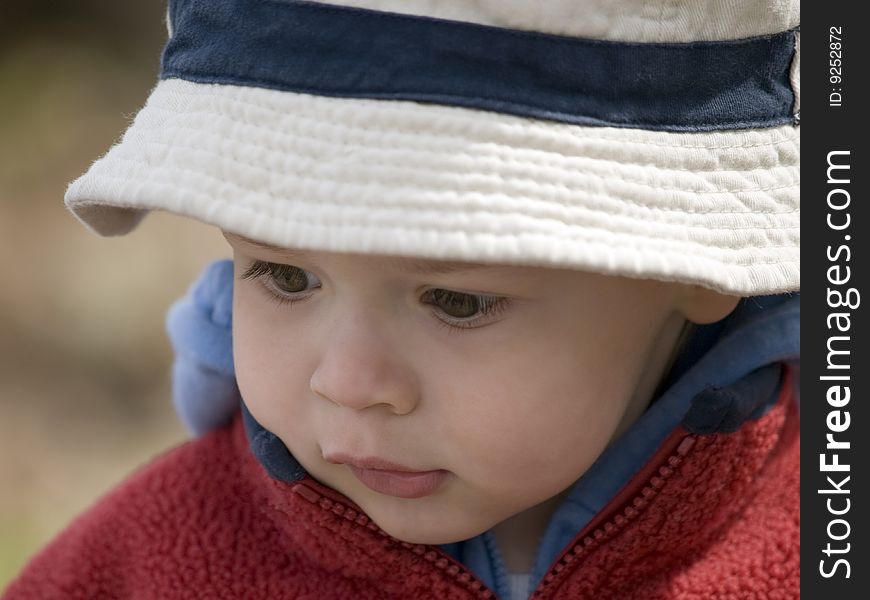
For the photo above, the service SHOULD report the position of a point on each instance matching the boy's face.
(370, 362)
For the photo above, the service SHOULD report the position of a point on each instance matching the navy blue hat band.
(349, 52)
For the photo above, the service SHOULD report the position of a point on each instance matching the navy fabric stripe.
(349, 52)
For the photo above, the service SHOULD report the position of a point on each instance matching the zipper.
(624, 508)
(333, 502)
(631, 502)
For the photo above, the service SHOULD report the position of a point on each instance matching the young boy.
(484, 305)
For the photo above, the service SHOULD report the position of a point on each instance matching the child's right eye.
(281, 279)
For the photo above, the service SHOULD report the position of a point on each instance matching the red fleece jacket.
(710, 516)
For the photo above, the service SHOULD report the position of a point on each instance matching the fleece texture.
(709, 516)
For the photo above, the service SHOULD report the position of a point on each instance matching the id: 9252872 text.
(835, 66)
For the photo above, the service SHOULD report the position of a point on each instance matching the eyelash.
(265, 272)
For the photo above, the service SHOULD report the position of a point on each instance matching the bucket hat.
(655, 139)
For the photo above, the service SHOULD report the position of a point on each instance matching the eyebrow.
(418, 265)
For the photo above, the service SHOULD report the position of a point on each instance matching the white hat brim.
(717, 209)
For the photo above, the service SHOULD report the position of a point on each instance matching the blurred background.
(84, 359)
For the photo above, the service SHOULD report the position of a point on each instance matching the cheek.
(547, 401)
(528, 423)
(266, 363)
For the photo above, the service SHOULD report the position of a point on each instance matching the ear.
(701, 305)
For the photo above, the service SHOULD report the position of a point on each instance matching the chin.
(411, 528)
(415, 536)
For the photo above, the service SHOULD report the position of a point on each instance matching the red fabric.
(720, 520)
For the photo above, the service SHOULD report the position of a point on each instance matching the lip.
(389, 478)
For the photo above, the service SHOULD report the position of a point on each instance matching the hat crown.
(348, 51)
(616, 20)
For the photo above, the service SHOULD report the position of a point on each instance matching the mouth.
(389, 478)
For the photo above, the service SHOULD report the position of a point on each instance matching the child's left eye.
(450, 303)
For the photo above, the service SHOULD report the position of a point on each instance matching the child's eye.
(456, 310)
(460, 308)
(456, 304)
(284, 281)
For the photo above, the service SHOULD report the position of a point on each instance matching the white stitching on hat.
(683, 189)
(543, 159)
(239, 201)
(461, 116)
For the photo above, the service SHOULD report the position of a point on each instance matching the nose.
(360, 368)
